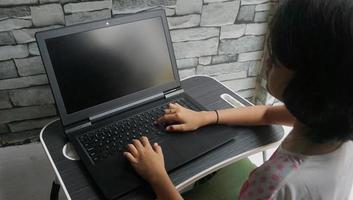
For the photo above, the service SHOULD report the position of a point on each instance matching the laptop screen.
(100, 65)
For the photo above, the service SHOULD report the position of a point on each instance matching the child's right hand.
(182, 119)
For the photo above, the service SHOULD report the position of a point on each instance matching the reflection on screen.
(97, 66)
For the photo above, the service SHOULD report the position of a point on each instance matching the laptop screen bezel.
(71, 118)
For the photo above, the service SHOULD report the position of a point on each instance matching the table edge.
(57, 174)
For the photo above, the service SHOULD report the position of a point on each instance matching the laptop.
(111, 79)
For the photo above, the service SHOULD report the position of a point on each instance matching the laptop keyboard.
(113, 138)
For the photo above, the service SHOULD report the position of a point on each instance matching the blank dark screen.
(100, 65)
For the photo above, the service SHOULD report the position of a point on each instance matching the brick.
(22, 37)
(169, 12)
(40, 95)
(205, 60)
(184, 7)
(4, 100)
(250, 2)
(266, 6)
(23, 82)
(182, 35)
(261, 16)
(256, 29)
(29, 124)
(213, 1)
(218, 14)
(187, 63)
(18, 11)
(169, 2)
(6, 38)
(62, 2)
(224, 68)
(246, 14)
(128, 6)
(7, 69)
(27, 35)
(17, 2)
(224, 58)
(13, 23)
(33, 49)
(9, 52)
(186, 21)
(196, 48)
(249, 56)
(47, 1)
(254, 68)
(19, 138)
(48, 14)
(231, 76)
(83, 17)
(87, 6)
(32, 112)
(186, 73)
(30, 66)
(241, 45)
(3, 129)
(232, 31)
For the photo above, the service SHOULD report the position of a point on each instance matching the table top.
(77, 184)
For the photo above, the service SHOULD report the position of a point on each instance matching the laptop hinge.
(173, 92)
(78, 127)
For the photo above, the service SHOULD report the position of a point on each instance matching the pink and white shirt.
(290, 176)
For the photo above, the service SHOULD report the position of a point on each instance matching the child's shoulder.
(266, 180)
(288, 175)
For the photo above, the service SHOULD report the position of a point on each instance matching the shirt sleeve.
(284, 193)
(292, 192)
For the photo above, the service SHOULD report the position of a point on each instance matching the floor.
(25, 173)
(27, 168)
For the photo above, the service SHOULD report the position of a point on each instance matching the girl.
(310, 70)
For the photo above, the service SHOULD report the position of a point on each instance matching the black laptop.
(111, 79)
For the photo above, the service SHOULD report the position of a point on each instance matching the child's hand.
(183, 119)
(147, 161)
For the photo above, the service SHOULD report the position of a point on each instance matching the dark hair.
(314, 38)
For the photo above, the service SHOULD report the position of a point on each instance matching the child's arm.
(256, 115)
(184, 119)
(148, 161)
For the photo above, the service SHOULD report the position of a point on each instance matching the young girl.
(310, 70)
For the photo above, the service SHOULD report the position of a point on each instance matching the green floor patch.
(223, 185)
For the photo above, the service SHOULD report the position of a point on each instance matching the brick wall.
(223, 39)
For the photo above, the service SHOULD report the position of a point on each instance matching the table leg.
(54, 193)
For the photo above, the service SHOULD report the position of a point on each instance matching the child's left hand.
(148, 161)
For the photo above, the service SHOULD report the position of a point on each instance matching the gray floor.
(25, 173)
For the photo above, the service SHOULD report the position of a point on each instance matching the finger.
(168, 118)
(157, 148)
(145, 142)
(130, 157)
(170, 110)
(173, 105)
(137, 144)
(178, 106)
(132, 149)
(176, 128)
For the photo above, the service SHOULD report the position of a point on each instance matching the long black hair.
(314, 38)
